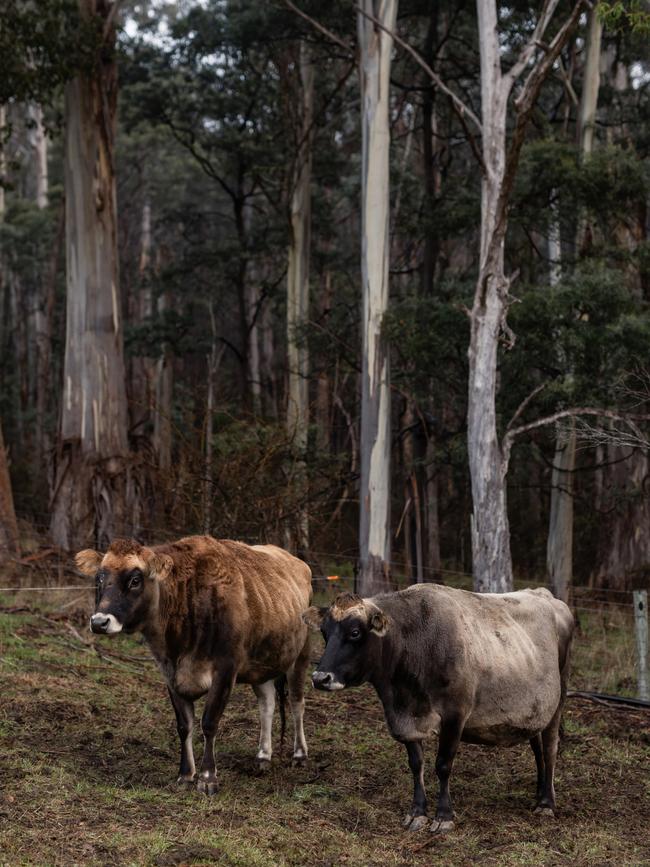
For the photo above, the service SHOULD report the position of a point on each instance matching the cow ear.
(160, 566)
(87, 562)
(378, 623)
(313, 617)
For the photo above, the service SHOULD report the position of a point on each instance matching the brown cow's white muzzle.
(105, 624)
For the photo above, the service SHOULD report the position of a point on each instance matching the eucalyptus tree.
(488, 458)
(95, 492)
(298, 277)
(375, 49)
(559, 550)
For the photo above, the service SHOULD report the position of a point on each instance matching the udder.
(192, 677)
(408, 727)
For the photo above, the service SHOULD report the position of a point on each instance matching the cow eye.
(354, 634)
(135, 580)
(100, 578)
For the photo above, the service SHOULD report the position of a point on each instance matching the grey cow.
(477, 667)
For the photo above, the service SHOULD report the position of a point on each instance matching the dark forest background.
(207, 131)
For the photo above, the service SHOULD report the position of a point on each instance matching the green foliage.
(625, 14)
(42, 44)
(429, 335)
(597, 329)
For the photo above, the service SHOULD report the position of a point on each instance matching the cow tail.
(281, 691)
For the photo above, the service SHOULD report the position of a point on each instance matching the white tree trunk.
(94, 495)
(298, 293)
(375, 48)
(559, 548)
(590, 83)
(39, 143)
(40, 325)
(554, 245)
(492, 562)
(490, 529)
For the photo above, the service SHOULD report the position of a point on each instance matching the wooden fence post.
(641, 629)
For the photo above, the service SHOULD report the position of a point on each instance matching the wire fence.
(606, 656)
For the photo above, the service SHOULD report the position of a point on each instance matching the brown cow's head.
(126, 584)
(352, 628)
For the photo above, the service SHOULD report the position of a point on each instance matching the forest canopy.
(210, 368)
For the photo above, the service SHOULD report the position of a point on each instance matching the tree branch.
(525, 102)
(522, 406)
(538, 73)
(319, 27)
(460, 107)
(528, 50)
(572, 412)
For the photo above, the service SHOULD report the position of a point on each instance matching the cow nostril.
(321, 678)
(99, 622)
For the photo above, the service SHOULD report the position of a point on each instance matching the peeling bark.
(492, 562)
(375, 47)
(95, 492)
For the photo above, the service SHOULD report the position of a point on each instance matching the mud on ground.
(88, 760)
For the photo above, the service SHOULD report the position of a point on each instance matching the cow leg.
(536, 744)
(265, 693)
(215, 703)
(296, 686)
(184, 711)
(550, 740)
(417, 818)
(450, 732)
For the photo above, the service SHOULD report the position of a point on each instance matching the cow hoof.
(298, 761)
(414, 823)
(186, 781)
(262, 766)
(543, 811)
(441, 826)
(207, 786)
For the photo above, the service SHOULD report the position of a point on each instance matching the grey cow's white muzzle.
(105, 624)
(326, 680)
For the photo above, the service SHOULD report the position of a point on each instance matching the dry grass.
(89, 759)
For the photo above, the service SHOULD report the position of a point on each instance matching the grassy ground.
(88, 757)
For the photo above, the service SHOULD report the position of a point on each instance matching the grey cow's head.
(352, 628)
(126, 584)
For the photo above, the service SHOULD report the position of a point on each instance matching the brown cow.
(213, 613)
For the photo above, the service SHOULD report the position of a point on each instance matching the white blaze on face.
(109, 628)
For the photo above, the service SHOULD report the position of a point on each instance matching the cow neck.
(167, 603)
(383, 664)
